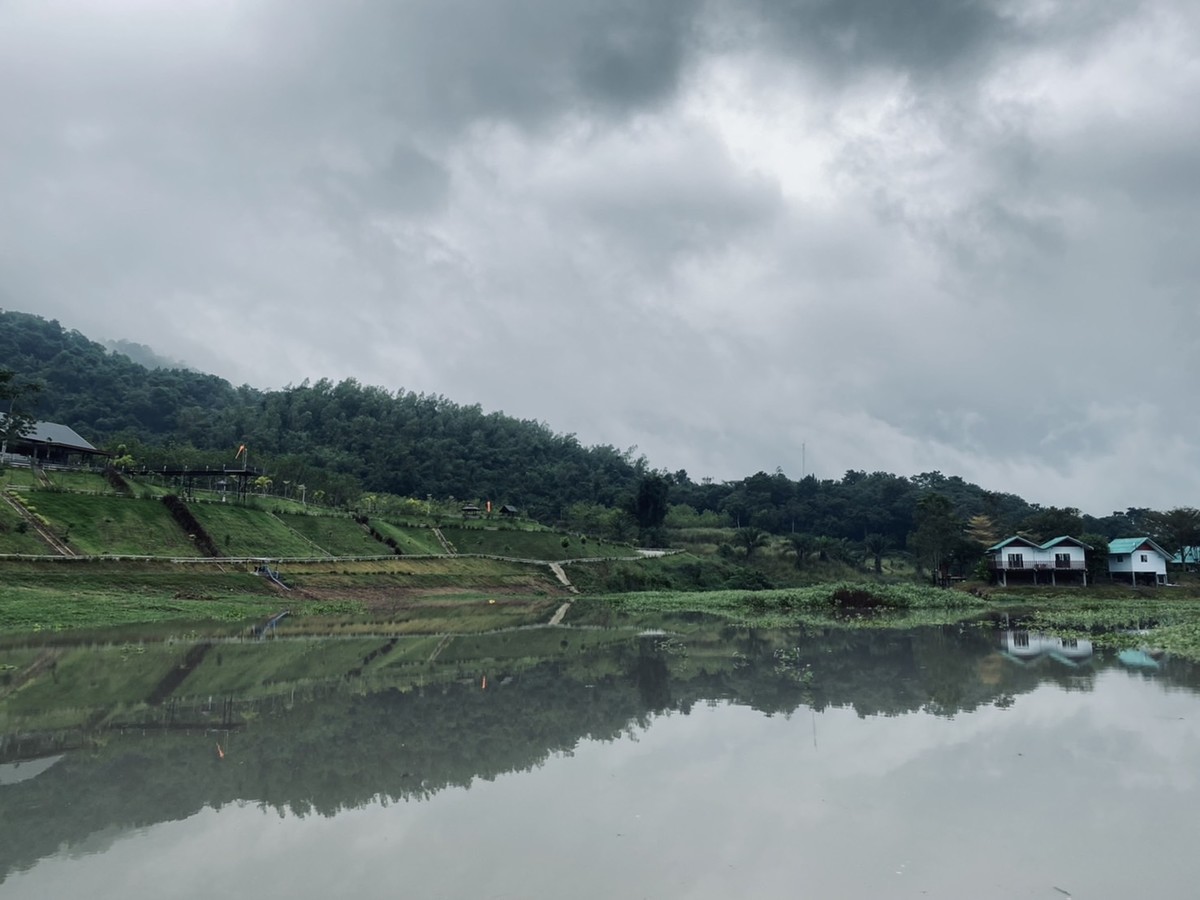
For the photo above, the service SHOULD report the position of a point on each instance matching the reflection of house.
(1027, 646)
(1139, 559)
(52, 444)
(1139, 659)
(1025, 561)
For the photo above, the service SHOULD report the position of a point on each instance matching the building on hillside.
(1139, 559)
(471, 511)
(1023, 561)
(49, 443)
(509, 511)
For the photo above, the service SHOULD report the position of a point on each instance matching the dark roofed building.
(50, 442)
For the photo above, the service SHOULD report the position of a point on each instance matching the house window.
(1062, 560)
(1016, 561)
(1120, 557)
(1144, 557)
(1021, 639)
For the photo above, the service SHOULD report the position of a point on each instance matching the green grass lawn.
(100, 596)
(110, 525)
(18, 477)
(530, 544)
(84, 482)
(35, 610)
(338, 535)
(243, 531)
(412, 540)
(63, 595)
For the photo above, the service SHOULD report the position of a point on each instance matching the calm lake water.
(710, 762)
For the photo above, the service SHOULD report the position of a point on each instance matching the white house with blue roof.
(1139, 559)
(1026, 561)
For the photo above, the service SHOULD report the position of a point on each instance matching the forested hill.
(341, 437)
(347, 438)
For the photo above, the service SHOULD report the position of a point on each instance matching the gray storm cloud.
(935, 235)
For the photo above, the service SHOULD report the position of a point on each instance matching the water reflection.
(1029, 646)
(798, 739)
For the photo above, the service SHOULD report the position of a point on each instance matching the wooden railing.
(1041, 565)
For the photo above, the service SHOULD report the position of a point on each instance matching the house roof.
(57, 435)
(1015, 539)
(1187, 555)
(1128, 545)
(1065, 539)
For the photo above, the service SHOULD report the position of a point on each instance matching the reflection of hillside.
(321, 746)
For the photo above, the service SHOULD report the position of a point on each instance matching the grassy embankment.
(109, 525)
(525, 543)
(404, 595)
(396, 591)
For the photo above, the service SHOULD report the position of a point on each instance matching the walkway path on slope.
(43, 532)
(561, 612)
(446, 545)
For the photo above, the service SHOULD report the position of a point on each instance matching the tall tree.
(1176, 529)
(1096, 559)
(937, 533)
(650, 505)
(1052, 521)
(17, 419)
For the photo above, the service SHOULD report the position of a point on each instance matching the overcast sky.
(905, 235)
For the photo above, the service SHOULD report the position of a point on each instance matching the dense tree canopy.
(340, 439)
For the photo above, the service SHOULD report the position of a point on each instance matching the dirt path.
(561, 575)
(561, 612)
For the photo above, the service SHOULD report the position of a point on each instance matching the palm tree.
(750, 539)
(802, 546)
(876, 545)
